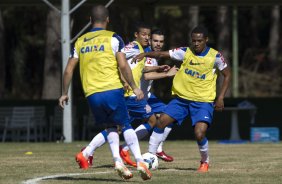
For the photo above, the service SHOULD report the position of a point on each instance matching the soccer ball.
(151, 161)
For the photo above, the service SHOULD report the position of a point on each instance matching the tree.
(223, 39)
(52, 64)
(193, 14)
(255, 17)
(2, 56)
(273, 47)
(274, 33)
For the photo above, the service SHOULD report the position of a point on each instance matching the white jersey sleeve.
(117, 44)
(74, 54)
(130, 50)
(151, 62)
(220, 63)
(178, 53)
(114, 43)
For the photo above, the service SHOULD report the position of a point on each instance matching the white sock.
(155, 140)
(113, 140)
(204, 148)
(160, 148)
(141, 132)
(166, 132)
(132, 142)
(97, 141)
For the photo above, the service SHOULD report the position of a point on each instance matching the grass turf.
(233, 163)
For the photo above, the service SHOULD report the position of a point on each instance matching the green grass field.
(233, 163)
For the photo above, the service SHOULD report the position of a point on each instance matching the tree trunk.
(2, 56)
(273, 47)
(52, 64)
(194, 19)
(255, 17)
(223, 40)
(274, 33)
(190, 19)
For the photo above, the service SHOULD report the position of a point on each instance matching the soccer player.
(157, 43)
(137, 109)
(99, 54)
(142, 110)
(194, 90)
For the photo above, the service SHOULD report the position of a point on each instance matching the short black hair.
(200, 29)
(99, 14)
(140, 25)
(157, 31)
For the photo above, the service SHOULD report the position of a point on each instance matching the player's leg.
(167, 130)
(175, 111)
(201, 116)
(160, 153)
(146, 128)
(157, 107)
(131, 139)
(203, 145)
(113, 140)
(116, 111)
(138, 110)
(109, 110)
(158, 132)
(141, 110)
(96, 105)
(99, 140)
(141, 131)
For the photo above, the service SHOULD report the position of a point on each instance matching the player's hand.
(164, 68)
(138, 58)
(63, 100)
(172, 71)
(219, 104)
(139, 93)
(126, 87)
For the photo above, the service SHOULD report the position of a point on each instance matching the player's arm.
(161, 68)
(227, 78)
(127, 74)
(226, 72)
(68, 73)
(126, 86)
(121, 77)
(153, 75)
(148, 69)
(124, 68)
(155, 54)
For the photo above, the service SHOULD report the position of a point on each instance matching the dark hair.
(200, 29)
(140, 25)
(99, 14)
(157, 31)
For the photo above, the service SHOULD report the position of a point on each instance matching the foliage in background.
(260, 43)
(24, 51)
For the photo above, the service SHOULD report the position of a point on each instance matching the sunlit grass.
(234, 163)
